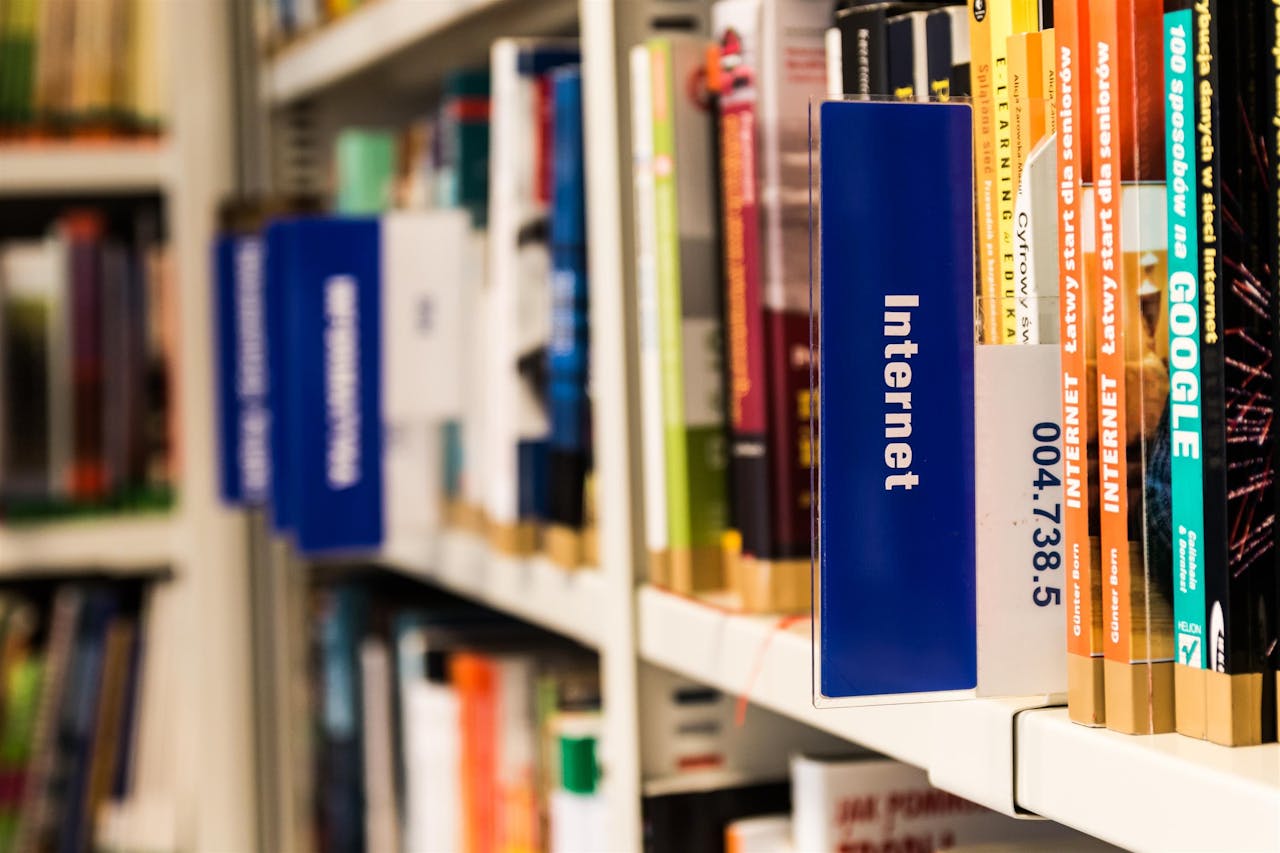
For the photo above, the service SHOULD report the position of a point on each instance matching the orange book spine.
(1113, 451)
(1073, 115)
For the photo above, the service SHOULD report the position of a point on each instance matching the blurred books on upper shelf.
(83, 69)
(87, 347)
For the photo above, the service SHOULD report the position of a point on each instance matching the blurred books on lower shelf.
(72, 680)
(442, 726)
(87, 356)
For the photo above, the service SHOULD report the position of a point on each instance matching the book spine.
(1269, 76)
(88, 468)
(1113, 448)
(1079, 384)
(688, 308)
(652, 419)
(1008, 17)
(1186, 472)
(901, 82)
(568, 350)
(865, 41)
(938, 41)
(982, 86)
(744, 308)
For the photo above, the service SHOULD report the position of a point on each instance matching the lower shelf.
(533, 588)
(1013, 755)
(1159, 792)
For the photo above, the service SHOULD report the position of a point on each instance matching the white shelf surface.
(78, 167)
(534, 589)
(966, 746)
(123, 544)
(1157, 792)
(358, 41)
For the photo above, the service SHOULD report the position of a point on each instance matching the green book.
(22, 699)
(365, 171)
(689, 314)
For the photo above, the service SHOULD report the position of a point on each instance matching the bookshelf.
(1018, 755)
(85, 167)
(193, 786)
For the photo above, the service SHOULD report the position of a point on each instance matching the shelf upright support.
(214, 790)
(614, 380)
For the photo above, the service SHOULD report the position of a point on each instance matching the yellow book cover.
(1007, 17)
(982, 88)
(1049, 80)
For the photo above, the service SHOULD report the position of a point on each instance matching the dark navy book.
(567, 355)
(896, 496)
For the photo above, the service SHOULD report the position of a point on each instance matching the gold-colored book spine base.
(773, 586)
(514, 539)
(1139, 697)
(1233, 708)
(1189, 701)
(564, 546)
(1086, 696)
(591, 546)
(460, 515)
(695, 570)
(659, 568)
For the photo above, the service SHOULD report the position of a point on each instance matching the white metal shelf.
(81, 167)
(568, 602)
(1158, 792)
(124, 544)
(967, 746)
(378, 33)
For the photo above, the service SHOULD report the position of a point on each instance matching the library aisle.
(594, 426)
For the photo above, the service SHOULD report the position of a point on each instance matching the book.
(83, 232)
(464, 140)
(842, 803)
(691, 813)
(341, 619)
(947, 40)
(364, 170)
(1237, 341)
(1077, 342)
(648, 325)
(864, 40)
(1130, 286)
(568, 354)
(381, 823)
(689, 316)
(518, 293)
(762, 834)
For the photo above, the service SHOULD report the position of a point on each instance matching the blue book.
(332, 383)
(568, 358)
(281, 242)
(242, 369)
(343, 619)
(896, 498)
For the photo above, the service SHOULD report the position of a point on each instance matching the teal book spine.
(1186, 430)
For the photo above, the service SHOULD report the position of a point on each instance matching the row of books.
(471, 301)
(441, 726)
(86, 69)
(87, 342)
(70, 676)
(1114, 471)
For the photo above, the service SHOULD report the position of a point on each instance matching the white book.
(791, 72)
(475, 369)
(423, 276)
(1036, 246)
(652, 437)
(920, 54)
(843, 803)
(835, 62)
(433, 804)
(519, 271)
(381, 831)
